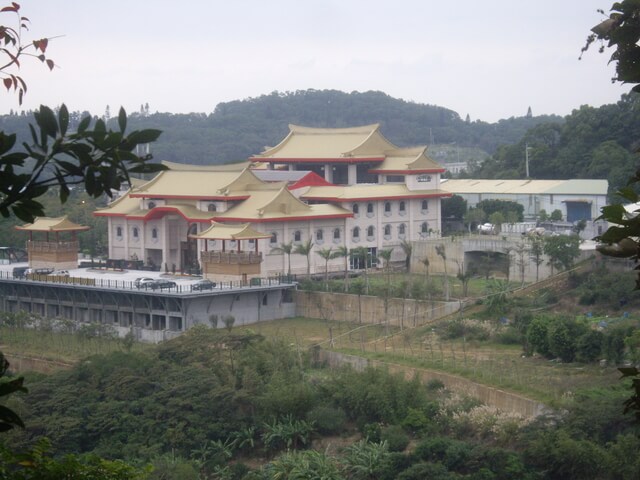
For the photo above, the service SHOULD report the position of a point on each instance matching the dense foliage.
(209, 403)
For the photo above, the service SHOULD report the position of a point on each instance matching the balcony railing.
(237, 258)
(52, 247)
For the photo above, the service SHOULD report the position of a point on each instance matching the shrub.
(509, 336)
(435, 385)
(328, 420)
(396, 438)
(589, 346)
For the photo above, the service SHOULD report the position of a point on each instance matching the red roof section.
(312, 179)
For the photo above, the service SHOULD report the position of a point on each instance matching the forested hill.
(590, 143)
(241, 128)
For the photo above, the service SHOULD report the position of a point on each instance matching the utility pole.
(526, 158)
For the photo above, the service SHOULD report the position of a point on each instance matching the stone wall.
(344, 307)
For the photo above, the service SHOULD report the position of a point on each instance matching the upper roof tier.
(407, 161)
(201, 184)
(349, 145)
(51, 224)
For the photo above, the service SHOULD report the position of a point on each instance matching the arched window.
(424, 228)
(135, 232)
(154, 233)
(387, 207)
(297, 236)
(356, 233)
(355, 209)
(118, 231)
(425, 205)
(370, 231)
(387, 230)
(274, 238)
(319, 235)
(212, 207)
(402, 229)
(402, 208)
(369, 209)
(336, 234)
(152, 205)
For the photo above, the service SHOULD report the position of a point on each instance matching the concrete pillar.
(352, 174)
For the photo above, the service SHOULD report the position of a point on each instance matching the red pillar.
(256, 240)
(223, 245)
(238, 245)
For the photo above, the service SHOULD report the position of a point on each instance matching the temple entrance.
(189, 251)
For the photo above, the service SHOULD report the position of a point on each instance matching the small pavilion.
(227, 259)
(57, 246)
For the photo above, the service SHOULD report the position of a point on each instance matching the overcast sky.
(490, 59)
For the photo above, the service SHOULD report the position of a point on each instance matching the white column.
(352, 174)
(165, 244)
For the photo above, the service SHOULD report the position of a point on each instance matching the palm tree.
(362, 254)
(287, 249)
(407, 248)
(386, 256)
(326, 254)
(443, 254)
(305, 249)
(343, 251)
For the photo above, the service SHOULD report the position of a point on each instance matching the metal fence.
(160, 285)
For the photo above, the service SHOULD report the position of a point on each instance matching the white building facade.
(376, 196)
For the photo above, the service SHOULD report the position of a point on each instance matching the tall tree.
(305, 249)
(562, 250)
(326, 254)
(361, 255)
(442, 253)
(285, 249)
(343, 252)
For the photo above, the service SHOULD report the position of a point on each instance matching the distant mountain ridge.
(241, 128)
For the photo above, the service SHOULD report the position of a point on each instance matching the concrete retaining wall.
(368, 309)
(505, 401)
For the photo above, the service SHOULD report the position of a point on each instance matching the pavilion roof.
(51, 224)
(221, 231)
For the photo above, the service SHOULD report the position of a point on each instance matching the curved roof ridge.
(271, 150)
(374, 132)
(323, 130)
(284, 191)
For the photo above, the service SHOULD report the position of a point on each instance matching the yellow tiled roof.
(306, 142)
(51, 224)
(221, 231)
(408, 160)
(198, 184)
(270, 205)
(227, 167)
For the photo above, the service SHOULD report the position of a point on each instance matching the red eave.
(408, 172)
(190, 197)
(378, 199)
(317, 160)
(283, 219)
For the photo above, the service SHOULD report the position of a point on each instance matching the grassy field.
(494, 364)
(58, 346)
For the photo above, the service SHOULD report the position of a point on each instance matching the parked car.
(143, 282)
(203, 284)
(161, 284)
(61, 273)
(20, 272)
(486, 229)
(38, 271)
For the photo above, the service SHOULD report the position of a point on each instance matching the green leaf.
(84, 124)
(143, 136)
(46, 120)
(63, 119)
(8, 416)
(6, 142)
(122, 120)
